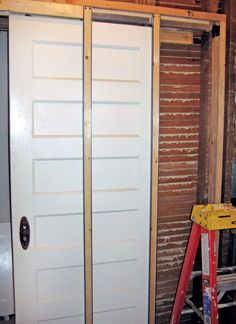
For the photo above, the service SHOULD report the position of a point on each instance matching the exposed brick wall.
(204, 126)
(179, 144)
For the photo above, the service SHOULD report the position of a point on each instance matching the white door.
(121, 172)
(46, 170)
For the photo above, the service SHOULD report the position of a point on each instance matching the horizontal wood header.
(75, 10)
(41, 8)
(124, 6)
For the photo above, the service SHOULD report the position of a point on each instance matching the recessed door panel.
(46, 116)
(46, 168)
(121, 113)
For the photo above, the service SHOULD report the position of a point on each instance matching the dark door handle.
(24, 233)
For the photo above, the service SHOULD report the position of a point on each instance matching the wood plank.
(217, 116)
(42, 8)
(217, 121)
(176, 37)
(87, 164)
(155, 162)
(221, 103)
(75, 10)
(123, 6)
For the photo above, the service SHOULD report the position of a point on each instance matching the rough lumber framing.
(75, 10)
(221, 94)
(155, 163)
(217, 121)
(42, 8)
(150, 9)
(169, 17)
(87, 165)
(213, 194)
(217, 116)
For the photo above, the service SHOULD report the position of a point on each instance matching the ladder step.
(226, 282)
(206, 220)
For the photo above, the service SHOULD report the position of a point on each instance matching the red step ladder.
(206, 220)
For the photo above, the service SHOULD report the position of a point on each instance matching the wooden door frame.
(178, 18)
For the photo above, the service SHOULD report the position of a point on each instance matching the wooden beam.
(221, 103)
(87, 164)
(217, 121)
(176, 36)
(217, 116)
(124, 6)
(214, 161)
(155, 163)
(42, 8)
(75, 10)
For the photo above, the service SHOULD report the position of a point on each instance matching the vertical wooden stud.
(217, 116)
(217, 121)
(87, 164)
(221, 103)
(155, 155)
(214, 161)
